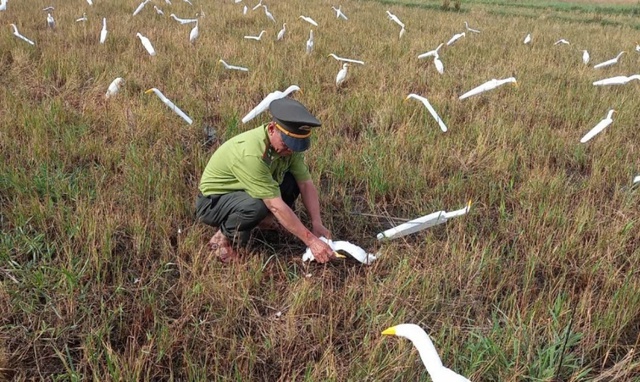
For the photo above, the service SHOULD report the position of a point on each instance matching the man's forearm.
(289, 220)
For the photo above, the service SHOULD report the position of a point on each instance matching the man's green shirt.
(247, 162)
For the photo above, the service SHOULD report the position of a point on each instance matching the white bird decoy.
(139, 8)
(90, 2)
(470, 29)
(585, 57)
(193, 35)
(562, 41)
(237, 1)
(48, 9)
(395, 19)
(342, 74)
(158, 10)
(103, 32)
(309, 20)
(610, 62)
(428, 354)
(18, 35)
(617, 80)
(3, 5)
(346, 59)
(339, 13)
(281, 33)
(147, 44)
(257, 38)
(188, 2)
(455, 38)
(233, 67)
(341, 247)
(438, 64)
(51, 23)
(83, 18)
(422, 222)
(489, 85)
(636, 179)
(527, 39)
(264, 104)
(402, 30)
(167, 2)
(637, 45)
(183, 21)
(244, 10)
(309, 48)
(257, 6)
(171, 105)
(268, 14)
(431, 53)
(426, 104)
(599, 127)
(114, 87)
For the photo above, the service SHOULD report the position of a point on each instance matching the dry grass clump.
(106, 276)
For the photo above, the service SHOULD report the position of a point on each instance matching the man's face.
(275, 137)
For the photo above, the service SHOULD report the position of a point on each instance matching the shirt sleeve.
(253, 173)
(298, 168)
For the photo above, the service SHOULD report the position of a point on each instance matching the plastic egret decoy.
(346, 59)
(147, 44)
(339, 13)
(422, 223)
(395, 19)
(309, 20)
(268, 14)
(48, 9)
(562, 41)
(171, 105)
(257, 6)
(90, 2)
(264, 104)
(599, 127)
(470, 29)
(193, 35)
(585, 57)
(51, 23)
(431, 53)
(439, 65)
(140, 7)
(281, 33)
(489, 85)
(343, 247)
(431, 110)
(18, 35)
(244, 10)
(103, 32)
(257, 38)
(617, 80)
(158, 10)
(610, 62)
(233, 67)
(3, 5)
(527, 39)
(83, 18)
(636, 179)
(342, 74)
(455, 38)
(183, 21)
(309, 48)
(428, 354)
(114, 87)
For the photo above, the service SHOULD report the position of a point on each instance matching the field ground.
(104, 275)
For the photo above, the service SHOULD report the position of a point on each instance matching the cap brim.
(296, 144)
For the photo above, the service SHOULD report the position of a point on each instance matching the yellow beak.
(339, 255)
(390, 331)
(148, 91)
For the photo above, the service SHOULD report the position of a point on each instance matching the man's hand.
(321, 251)
(320, 230)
